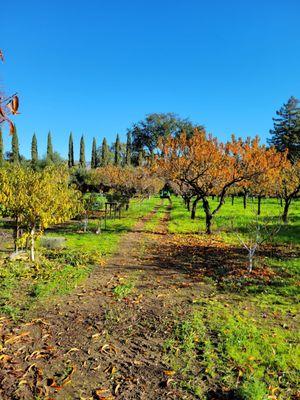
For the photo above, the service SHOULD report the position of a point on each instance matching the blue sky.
(95, 67)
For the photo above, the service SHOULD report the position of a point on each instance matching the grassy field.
(244, 338)
(238, 217)
(225, 333)
(59, 272)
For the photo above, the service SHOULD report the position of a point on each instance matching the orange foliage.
(9, 105)
(210, 167)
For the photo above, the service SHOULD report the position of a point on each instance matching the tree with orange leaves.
(8, 105)
(125, 182)
(210, 167)
(266, 183)
(288, 185)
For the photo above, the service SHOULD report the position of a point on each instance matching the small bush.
(53, 242)
(73, 257)
(123, 290)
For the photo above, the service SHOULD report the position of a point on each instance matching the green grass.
(107, 241)
(227, 350)
(181, 222)
(123, 290)
(241, 343)
(153, 224)
(54, 273)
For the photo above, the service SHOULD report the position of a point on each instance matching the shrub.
(53, 243)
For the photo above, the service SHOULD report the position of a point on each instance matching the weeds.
(220, 348)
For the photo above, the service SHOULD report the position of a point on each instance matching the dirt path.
(92, 345)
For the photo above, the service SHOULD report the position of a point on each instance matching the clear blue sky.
(94, 67)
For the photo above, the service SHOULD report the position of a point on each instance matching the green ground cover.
(243, 341)
(57, 272)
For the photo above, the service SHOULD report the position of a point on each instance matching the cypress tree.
(49, 148)
(118, 151)
(1, 148)
(34, 152)
(128, 149)
(82, 153)
(71, 152)
(15, 148)
(104, 153)
(94, 159)
(286, 131)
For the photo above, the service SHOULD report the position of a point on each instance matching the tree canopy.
(286, 131)
(145, 133)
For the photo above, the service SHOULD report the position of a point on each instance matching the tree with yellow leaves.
(37, 199)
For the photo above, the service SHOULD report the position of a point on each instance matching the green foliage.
(54, 273)
(49, 158)
(94, 158)
(145, 133)
(225, 348)
(286, 132)
(82, 153)
(52, 242)
(34, 152)
(71, 162)
(105, 154)
(15, 148)
(123, 290)
(128, 149)
(117, 148)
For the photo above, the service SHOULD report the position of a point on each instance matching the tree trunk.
(287, 203)
(232, 199)
(208, 216)
(194, 208)
(127, 206)
(245, 200)
(213, 197)
(32, 254)
(251, 256)
(188, 204)
(16, 234)
(208, 223)
(258, 205)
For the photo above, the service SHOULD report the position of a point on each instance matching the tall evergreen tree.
(94, 159)
(104, 153)
(15, 148)
(117, 157)
(128, 149)
(1, 148)
(49, 148)
(34, 152)
(71, 152)
(82, 153)
(286, 131)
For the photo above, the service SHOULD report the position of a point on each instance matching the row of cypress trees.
(102, 157)
(98, 158)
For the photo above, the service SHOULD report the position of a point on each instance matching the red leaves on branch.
(8, 106)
